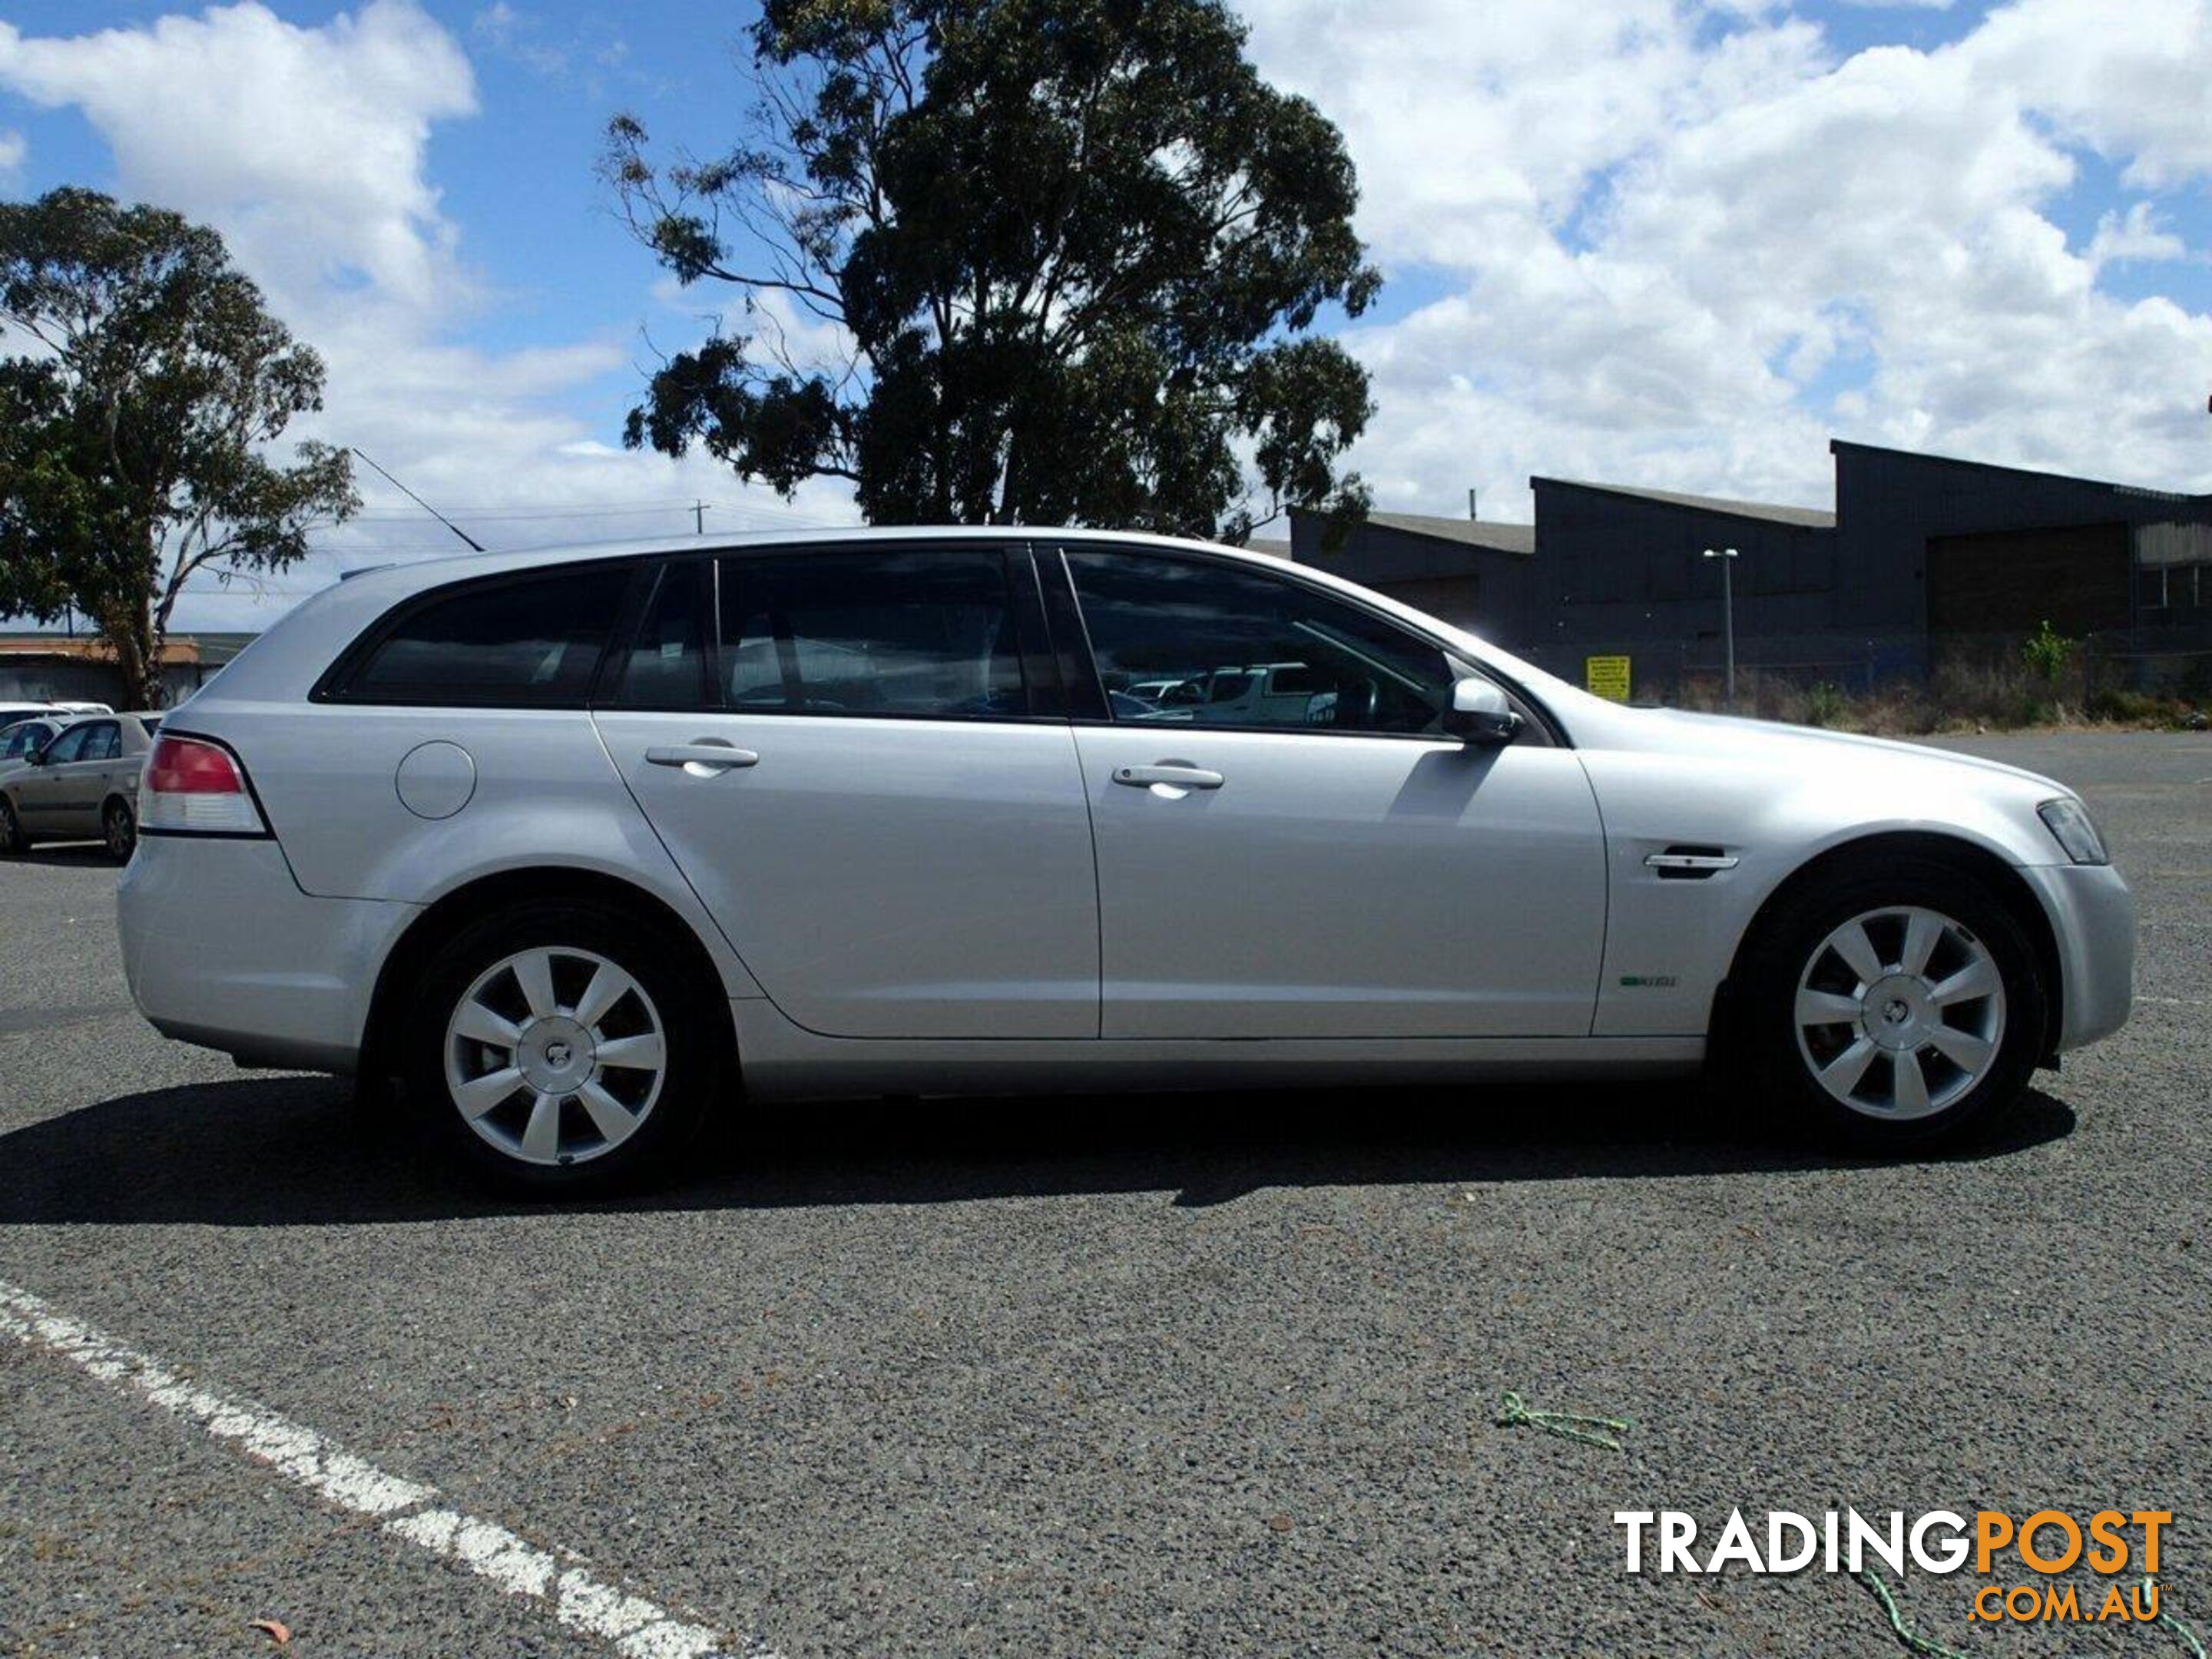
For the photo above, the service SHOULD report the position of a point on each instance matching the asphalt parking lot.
(1206, 1377)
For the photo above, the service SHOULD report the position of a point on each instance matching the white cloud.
(515, 34)
(2135, 235)
(304, 144)
(308, 148)
(1683, 247)
(13, 149)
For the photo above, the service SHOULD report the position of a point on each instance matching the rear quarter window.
(530, 642)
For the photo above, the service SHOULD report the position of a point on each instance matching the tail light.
(195, 787)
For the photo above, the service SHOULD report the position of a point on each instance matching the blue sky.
(1648, 241)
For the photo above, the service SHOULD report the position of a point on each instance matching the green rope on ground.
(1513, 1412)
(1919, 1645)
(2188, 1635)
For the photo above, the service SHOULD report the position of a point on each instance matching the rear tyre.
(562, 1049)
(1894, 1007)
(12, 838)
(119, 827)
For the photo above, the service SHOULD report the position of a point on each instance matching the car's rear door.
(1322, 863)
(82, 783)
(854, 757)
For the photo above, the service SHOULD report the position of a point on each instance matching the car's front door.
(850, 755)
(1320, 860)
(44, 792)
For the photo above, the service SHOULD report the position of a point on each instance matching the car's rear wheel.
(12, 838)
(118, 828)
(1891, 1007)
(562, 1048)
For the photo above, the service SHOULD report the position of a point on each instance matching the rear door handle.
(709, 755)
(1175, 773)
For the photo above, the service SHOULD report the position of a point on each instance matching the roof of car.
(459, 567)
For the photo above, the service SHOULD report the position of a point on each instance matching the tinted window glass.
(906, 633)
(1187, 642)
(532, 643)
(69, 746)
(22, 739)
(665, 664)
(101, 742)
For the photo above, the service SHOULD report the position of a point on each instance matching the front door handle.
(1177, 775)
(702, 759)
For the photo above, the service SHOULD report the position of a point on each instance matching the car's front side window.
(69, 746)
(1235, 647)
(926, 633)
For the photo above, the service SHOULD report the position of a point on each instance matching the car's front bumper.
(221, 948)
(2093, 917)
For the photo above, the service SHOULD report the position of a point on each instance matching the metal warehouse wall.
(1482, 589)
(1623, 569)
(1891, 502)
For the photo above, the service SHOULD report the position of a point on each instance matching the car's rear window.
(524, 642)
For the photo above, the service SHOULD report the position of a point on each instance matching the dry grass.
(1986, 695)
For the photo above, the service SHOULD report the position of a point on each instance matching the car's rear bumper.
(222, 949)
(2093, 916)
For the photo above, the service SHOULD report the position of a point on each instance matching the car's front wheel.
(12, 838)
(1892, 1006)
(562, 1048)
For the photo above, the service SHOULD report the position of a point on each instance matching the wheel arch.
(486, 895)
(1967, 857)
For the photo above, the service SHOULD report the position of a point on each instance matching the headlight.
(2068, 822)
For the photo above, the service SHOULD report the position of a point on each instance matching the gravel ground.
(1211, 1377)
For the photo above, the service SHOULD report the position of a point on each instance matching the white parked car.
(583, 845)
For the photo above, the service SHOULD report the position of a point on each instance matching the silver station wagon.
(582, 845)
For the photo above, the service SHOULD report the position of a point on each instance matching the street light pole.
(1727, 556)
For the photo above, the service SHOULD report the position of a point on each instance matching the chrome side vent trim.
(1686, 862)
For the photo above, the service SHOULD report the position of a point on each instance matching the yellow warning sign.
(1607, 676)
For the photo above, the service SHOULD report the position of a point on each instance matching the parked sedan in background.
(80, 783)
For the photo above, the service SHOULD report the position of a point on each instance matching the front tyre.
(12, 838)
(1892, 1008)
(563, 1049)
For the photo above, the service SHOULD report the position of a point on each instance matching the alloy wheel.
(1900, 1012)
(555, 1055)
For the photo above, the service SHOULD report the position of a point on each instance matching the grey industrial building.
(1922, 554)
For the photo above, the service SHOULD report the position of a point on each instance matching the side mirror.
(36, 756)
(1479, 713)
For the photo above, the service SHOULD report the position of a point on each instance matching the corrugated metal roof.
(1837, 446)
(1808, 518)
(1491, 534)
(82, 648)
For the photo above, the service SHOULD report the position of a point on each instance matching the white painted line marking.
(577, 1598)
